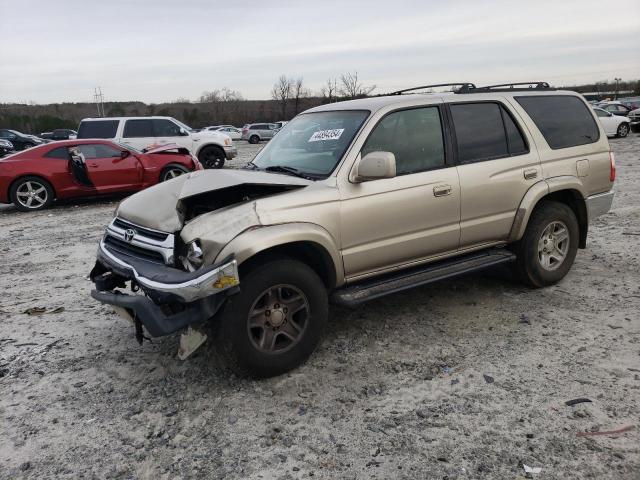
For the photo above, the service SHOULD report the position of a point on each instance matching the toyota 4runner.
(352, 201)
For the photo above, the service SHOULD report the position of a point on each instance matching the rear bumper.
(173, 299)
(599, 204)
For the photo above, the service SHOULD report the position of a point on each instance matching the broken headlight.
(195, 257)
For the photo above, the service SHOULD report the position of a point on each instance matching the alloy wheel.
(553, 245)
(32, 194)
(172, 173)
(278, 319)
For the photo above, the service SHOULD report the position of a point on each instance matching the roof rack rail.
(511, 87)
(464, 86)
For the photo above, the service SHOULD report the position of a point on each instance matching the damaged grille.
(125, 239)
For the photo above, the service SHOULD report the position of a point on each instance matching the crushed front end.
(137, 272)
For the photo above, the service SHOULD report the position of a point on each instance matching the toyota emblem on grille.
(129, 233)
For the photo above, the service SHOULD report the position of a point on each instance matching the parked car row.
(59, 134)
(33, 178)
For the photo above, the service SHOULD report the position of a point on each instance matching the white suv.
(211, 148)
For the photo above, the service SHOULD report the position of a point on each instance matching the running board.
(369, 289)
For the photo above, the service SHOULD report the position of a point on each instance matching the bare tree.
(299, 92)
(281, 92)
(351, 87)
(330, 90)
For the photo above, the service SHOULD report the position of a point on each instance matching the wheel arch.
(566, 189)
(308, 243)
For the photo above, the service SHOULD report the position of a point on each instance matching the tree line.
(289, 96)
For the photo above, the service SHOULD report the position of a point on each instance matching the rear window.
(98, 129)
(564, 121)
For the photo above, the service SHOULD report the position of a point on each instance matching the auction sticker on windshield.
(326, 135)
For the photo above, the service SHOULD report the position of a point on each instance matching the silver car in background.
(256, 132)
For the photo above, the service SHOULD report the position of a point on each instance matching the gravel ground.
(465, 379)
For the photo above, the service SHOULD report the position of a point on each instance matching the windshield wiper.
(289, 170)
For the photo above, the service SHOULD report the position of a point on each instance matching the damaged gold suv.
(352, 201)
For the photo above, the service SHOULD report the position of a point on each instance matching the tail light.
(612, 171)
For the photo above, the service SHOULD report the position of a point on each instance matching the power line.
(98, 97)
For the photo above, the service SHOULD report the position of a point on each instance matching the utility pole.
(618, 80)
(98, 97)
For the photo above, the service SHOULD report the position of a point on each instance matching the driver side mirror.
(124, 154)
(373, 166)
(183, 132)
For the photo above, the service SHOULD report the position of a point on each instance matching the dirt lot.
(465, 379)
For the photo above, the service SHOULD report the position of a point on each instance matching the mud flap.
(190, 341)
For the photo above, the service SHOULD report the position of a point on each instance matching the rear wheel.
(275, 322)
(172, 171)
(549, 245)
(212, 157)
(623, 130)
(254, 139)
(31, 193)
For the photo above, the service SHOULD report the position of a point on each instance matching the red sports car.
(33, 178)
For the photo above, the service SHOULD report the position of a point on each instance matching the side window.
(601, 113)
(137, 129)
(564, 120)
(98, 129)
(60, 152)
(165, 128)
(414, 136)
(98, 150)
(480, 133)
(515, 140)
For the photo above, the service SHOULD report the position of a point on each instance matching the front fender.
(254, 241)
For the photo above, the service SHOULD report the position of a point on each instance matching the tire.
(623, 130)
(254, 139)
(238, 336)
(29, 194)
(212, 157)
(172, 170)
(535, 262)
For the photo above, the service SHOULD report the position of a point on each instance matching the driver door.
(108, 171)
(393, 222)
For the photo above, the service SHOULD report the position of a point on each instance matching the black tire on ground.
(623, 130)
(172, 170)
(549, 218)
(212, 157)
(31, 193)
(237, 340)
(254, 139)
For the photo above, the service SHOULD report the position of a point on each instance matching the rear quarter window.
(564, 120)
(98, 129)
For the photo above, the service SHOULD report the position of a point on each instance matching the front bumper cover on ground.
(173, 298)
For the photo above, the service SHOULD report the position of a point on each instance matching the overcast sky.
(160, 50)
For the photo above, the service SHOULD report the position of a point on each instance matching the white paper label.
(322, 135)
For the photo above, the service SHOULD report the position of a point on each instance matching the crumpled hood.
(157, 207)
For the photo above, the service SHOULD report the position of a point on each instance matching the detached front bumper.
(173, 299)
(231, 152)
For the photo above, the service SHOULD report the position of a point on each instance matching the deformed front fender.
(535, 193)
(252, 242)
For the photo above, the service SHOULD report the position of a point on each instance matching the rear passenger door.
(138, 133)
(496, 166)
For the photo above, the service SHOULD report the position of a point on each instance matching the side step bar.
(366, 290)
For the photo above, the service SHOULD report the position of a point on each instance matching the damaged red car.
(34, 178)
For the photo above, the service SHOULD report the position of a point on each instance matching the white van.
(211, 147)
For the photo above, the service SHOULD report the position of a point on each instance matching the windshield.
(312, 143)
(180, 124)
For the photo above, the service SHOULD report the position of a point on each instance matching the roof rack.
(464, 87)
(511, 87)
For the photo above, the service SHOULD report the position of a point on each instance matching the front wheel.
(548, 248)
(276, 320)
(172, 171)
(211, 157)
(623, 130)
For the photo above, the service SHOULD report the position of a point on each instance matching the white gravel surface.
(466, 379)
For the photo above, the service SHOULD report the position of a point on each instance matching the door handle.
(530, 173)
(441, 190)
